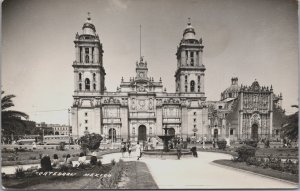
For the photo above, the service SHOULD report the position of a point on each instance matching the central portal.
(142, 133)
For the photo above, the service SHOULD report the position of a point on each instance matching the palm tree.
(10, 118)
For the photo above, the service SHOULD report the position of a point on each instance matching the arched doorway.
(142, 134)
(216, 131)
(171, 131)
(112, 134)
(254, 132)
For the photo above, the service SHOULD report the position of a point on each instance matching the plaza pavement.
(202, 173)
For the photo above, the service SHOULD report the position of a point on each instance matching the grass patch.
(56, 182)
(137, 176)
(259, 170)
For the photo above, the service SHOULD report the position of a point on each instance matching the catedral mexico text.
(141, 107)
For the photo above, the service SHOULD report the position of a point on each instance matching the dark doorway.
(142, 133)
(171, 131)
(216, 133)
(254, 132)
(112, 134)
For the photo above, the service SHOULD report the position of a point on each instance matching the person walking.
(123, 148)
(129, 149)
(138, 151)
(178, 148)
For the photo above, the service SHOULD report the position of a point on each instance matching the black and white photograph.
(149, 94)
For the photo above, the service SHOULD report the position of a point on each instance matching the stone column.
(201, 83)
(76, 80)
(82, 55)
(183, 58)
(77, 53)
(90, 55)
(271, 115)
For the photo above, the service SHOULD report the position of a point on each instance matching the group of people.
(126, 147)
(48, 164)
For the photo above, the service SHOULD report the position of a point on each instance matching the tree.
(10, 118)
(290, 128)
(90, 141)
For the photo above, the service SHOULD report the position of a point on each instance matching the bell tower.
(189, 76)
(89, 78)
(89, 74)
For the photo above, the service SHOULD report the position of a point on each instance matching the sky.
(248, 39)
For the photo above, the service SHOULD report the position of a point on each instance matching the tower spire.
(89, 16)
(140, 41)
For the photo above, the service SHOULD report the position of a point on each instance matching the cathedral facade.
(141, 107)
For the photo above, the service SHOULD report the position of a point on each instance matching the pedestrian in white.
(138, 151)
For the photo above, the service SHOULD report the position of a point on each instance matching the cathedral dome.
(189, 32)
(232, 91)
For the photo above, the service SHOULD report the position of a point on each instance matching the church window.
(192, 54)
(80, 86)
(94, 76)
(198, 79)
(231, 131)
(185, 88)
(185, 78)
(195, 113)
(87, 84)
(194, 119)
(86, 121)
(198, 88)
(94, 86)
(86, 114)
(80, 76)
(186, 54)
(87, 59)
(192, 86)
(192, 61)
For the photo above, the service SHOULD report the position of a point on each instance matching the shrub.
(90, 141)
(61, 146)
(113, 162)
(251, 143)
(245, 152)
(99, 163)
(32, 158)
(19, 172)
(93, 160)
(222, 144)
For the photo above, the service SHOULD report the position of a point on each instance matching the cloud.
(117, 5)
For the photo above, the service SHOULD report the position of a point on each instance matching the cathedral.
(141, 107)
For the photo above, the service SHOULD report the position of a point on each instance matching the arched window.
(80, 86)
(185, 78)
(192, 61)
(87, 84)
(185, 88)
(198, 79)
(192, 86)
(94, 76)
(87, 59)
(80, 76)
(198, 88)
(94, 86)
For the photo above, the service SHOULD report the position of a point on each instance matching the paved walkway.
(201, 173)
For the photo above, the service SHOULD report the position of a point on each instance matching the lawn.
(260, 170)
(57, 182)
(136, 175)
